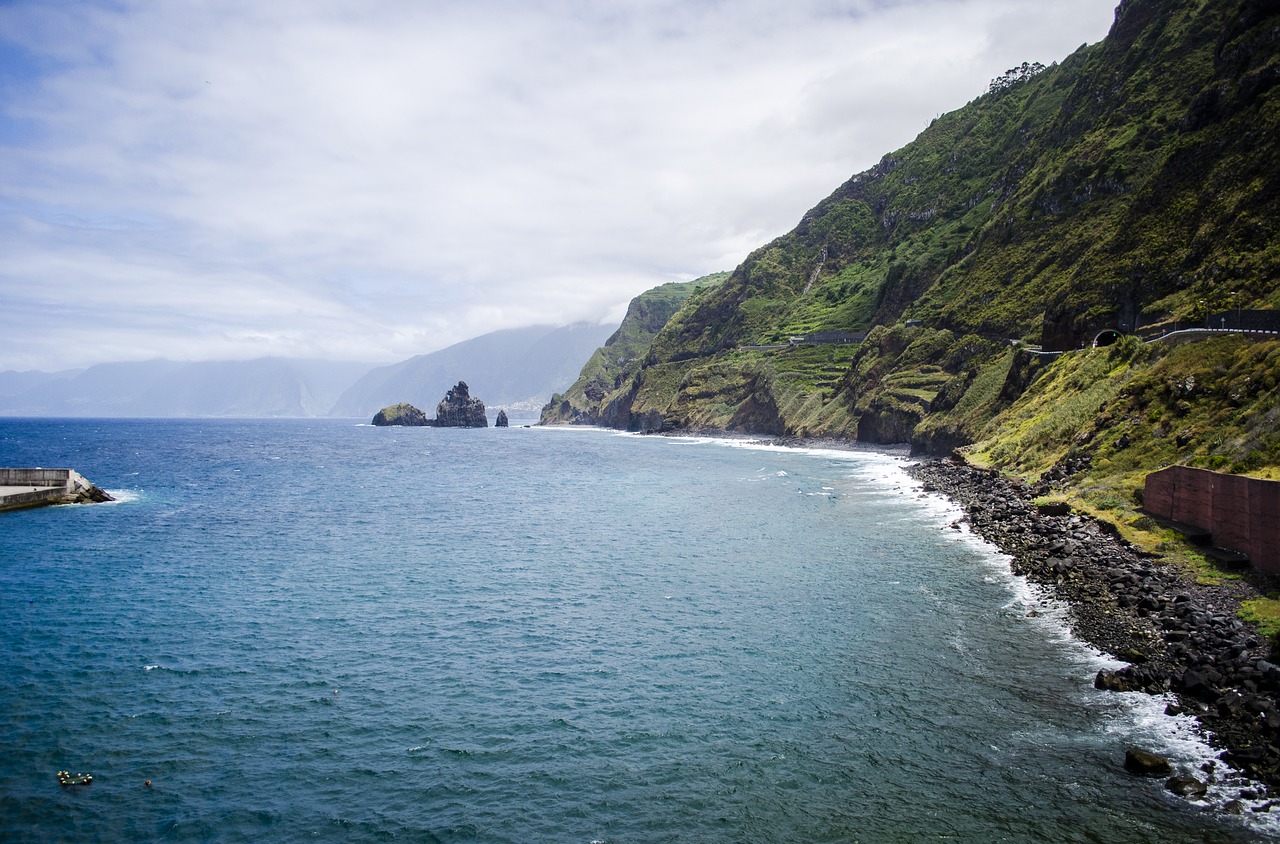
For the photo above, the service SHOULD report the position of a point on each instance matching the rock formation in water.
(401, 414)
(457, 410)
(501, 421)
(460, 410)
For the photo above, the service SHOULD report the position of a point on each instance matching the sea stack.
(401, 414)
(459, 410)
(501, 421)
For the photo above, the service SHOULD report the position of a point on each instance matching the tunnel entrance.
(1106, 338)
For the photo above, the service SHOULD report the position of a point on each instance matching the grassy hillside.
(608, 373)
(1134, 185)
(1092, 424)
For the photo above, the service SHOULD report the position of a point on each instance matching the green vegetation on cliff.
(1093, 423)
(1131, 190)
(1133, 187)
(1134, 184)
(612, 366)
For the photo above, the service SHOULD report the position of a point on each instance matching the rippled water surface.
(316, 630)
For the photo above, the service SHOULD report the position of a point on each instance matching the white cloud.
(378, 179)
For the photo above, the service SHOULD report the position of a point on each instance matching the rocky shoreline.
(1177, 635)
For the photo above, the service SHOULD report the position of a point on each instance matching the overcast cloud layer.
(374, 179)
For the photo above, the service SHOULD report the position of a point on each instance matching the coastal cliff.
(999, 284)
(600, 395)
(1017, 284)
(1135, 185)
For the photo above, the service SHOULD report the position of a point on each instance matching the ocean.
(324, 631)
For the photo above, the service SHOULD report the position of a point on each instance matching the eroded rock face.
(401, 414)
(501, 421)
(460, 410)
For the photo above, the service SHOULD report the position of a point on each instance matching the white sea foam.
(123, 496)
(1178, 737)
(1144, 721)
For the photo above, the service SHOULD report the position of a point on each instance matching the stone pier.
(21, 488)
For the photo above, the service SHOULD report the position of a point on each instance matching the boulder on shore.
(1146, 764)
(1187, 787)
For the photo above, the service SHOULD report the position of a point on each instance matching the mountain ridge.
(1132, 186)
(1128, 190)
(507, 367)
(517, 363)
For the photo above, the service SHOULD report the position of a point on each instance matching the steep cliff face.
(1134, 185)
(459, 410)
(598, 394)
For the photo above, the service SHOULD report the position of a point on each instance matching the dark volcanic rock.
(1182, 635)
(1187, 787)
(1112, 681)
(459, 410)
(1146, 764)
(401, 414)
(501, 421)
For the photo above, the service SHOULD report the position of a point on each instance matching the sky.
(374, 179)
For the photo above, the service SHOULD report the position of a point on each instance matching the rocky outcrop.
(457, 410)
(887, 424)
(460, 410)
(1189, 787)
(502, 421)
(401, 414)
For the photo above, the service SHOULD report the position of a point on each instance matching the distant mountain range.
(503, 368)
(515, 367)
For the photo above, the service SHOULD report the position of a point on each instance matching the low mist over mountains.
(504, 367)
(512, 367)
(263, 387)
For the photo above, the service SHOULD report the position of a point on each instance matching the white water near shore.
(1130, 718)
(537, 636)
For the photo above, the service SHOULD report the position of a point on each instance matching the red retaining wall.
(1243, 514)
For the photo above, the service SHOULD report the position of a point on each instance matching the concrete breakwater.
(1179, 635)
(21, 488)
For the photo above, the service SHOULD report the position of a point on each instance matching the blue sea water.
(317, 630)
